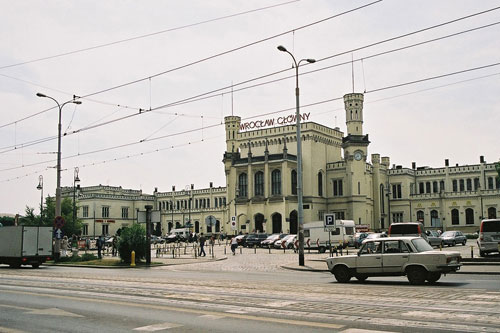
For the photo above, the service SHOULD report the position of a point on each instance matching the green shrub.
(132, 239)
(471, 236)
(88, 257)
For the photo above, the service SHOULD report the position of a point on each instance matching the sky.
(431, 86)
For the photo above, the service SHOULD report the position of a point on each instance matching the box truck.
(25, 245)
(317, 238)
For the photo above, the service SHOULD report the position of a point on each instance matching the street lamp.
(75, 180)
(58, 188)
(300, 228)
(40, 187)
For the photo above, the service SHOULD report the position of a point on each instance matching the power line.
(213, 93)
(146, 35)
(265, 114)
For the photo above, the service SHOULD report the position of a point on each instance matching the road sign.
(59, 222)
(330, 222)
(233, 225)
(58, 234)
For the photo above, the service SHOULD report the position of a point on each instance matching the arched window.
(469, 216)
(259, 183)
(320, 184)
(435, 187)
(420, 216)
(441, 186)
(490, 183)
(469, 184)
(455, 185)
(276, 182)
(492, 213)
(462, 185)
(428, 187)
(382, 204)
(294, 182)
(243, 185)
(455, 219)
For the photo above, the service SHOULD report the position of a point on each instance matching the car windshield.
(448, 234)
(421, 245)
(491, 226)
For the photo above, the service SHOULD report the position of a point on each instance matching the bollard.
(213, 254)
(173, 253)
(269, 249)
(241, 247)
(195, 251)
(472, 251)
(224, 250)
(185, 246)
(132, 259)
(441, 247)
(255, 249)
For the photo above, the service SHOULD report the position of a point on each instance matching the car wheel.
(342, 274)
(453, 243)
(361, 277)
(481, 253)
(432, 277)
(322, 249)
(290, 246)
(416, 275)
(36, 265)
(464, 242)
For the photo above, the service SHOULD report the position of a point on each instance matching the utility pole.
(148, 233)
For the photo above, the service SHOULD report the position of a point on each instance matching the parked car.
(395, 256)
(269, 241)
(358, 238)
(374, 235)
(241, 239)
(407, 229)
(433, 238)
(255, 239)
(289, 242)
(489, 237)
(451, 238)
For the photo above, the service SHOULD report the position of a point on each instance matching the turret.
(232, 130)
(353, 104)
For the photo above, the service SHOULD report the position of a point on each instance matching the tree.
(497, 167)
(7, 220)
(132, 239)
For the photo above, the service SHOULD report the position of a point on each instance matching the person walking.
(234, 244)
(114, 245)
(202, 245)
(100, 243)
(64, 247)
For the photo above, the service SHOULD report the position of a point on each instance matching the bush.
(84, 257)
(471, 236)
(132, 239)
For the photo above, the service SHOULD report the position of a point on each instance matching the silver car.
(452, 238)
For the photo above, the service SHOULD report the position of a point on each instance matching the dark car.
(358, 239)
(255, 239)
(452, 238)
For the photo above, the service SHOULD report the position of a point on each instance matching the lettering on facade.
(286, 120)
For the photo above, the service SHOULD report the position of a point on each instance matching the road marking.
(47, 312)
(280, 304)
(358, 330)
(212, 317)
(236, 311)
(157, 327)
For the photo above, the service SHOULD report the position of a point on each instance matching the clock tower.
(355, 144)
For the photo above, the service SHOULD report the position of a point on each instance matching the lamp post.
(300, 228)
(58, 188)
(75, 180)
(40, 187)
(236, 195)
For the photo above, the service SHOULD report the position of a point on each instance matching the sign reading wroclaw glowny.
(286, 120)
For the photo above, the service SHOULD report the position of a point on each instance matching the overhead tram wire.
(264, 114)
(219, 91)
(211, 57)
(268, 38)
(146, 35)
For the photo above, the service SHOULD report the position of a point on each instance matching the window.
(337, 188)
(421, 188)
(85, 211)
(339, 215)
(396, 191)
(124, 212)
(320, 184)
(397, 217)
(428, 187)
(469, 216)
(105, 211)
(294, 182)
(492, 213)
(382, 203)
(243, 185)
(455, 186)
(455, 217)
(490, 183)
(441, 186)
(435, 221)
(476, 184)
(276, 182)
(208, 202)
(105, 229)
(462, 185)
(435, 187)
(259, 183)
(469, 184)
(85, 229)
(420, 216)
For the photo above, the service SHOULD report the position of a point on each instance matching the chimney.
(481, 159)
(173, 188)
(192, 186)
(211, 184)
(446, 162)
(413, 165)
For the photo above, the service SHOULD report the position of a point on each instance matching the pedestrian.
(100, 243)
(114, 243)
(64, 247)
(202, 245)
(234, 245)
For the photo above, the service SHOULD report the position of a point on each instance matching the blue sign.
(58, 234)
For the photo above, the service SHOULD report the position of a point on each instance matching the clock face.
(357, 156)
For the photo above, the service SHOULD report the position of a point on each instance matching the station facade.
(339, 176)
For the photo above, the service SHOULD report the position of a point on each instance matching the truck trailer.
(25, 245)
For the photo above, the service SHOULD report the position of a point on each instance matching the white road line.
(157, 327)
(236, 311)
(358, 330)
(212, 317)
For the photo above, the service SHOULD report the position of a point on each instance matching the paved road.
(247, 292)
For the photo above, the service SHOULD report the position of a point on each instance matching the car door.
(369, 258)
(395, 256)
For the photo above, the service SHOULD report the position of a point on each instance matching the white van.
(181, 234)
(315, 236)
(489, 237)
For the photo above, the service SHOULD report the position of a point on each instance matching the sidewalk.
(467, 268)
